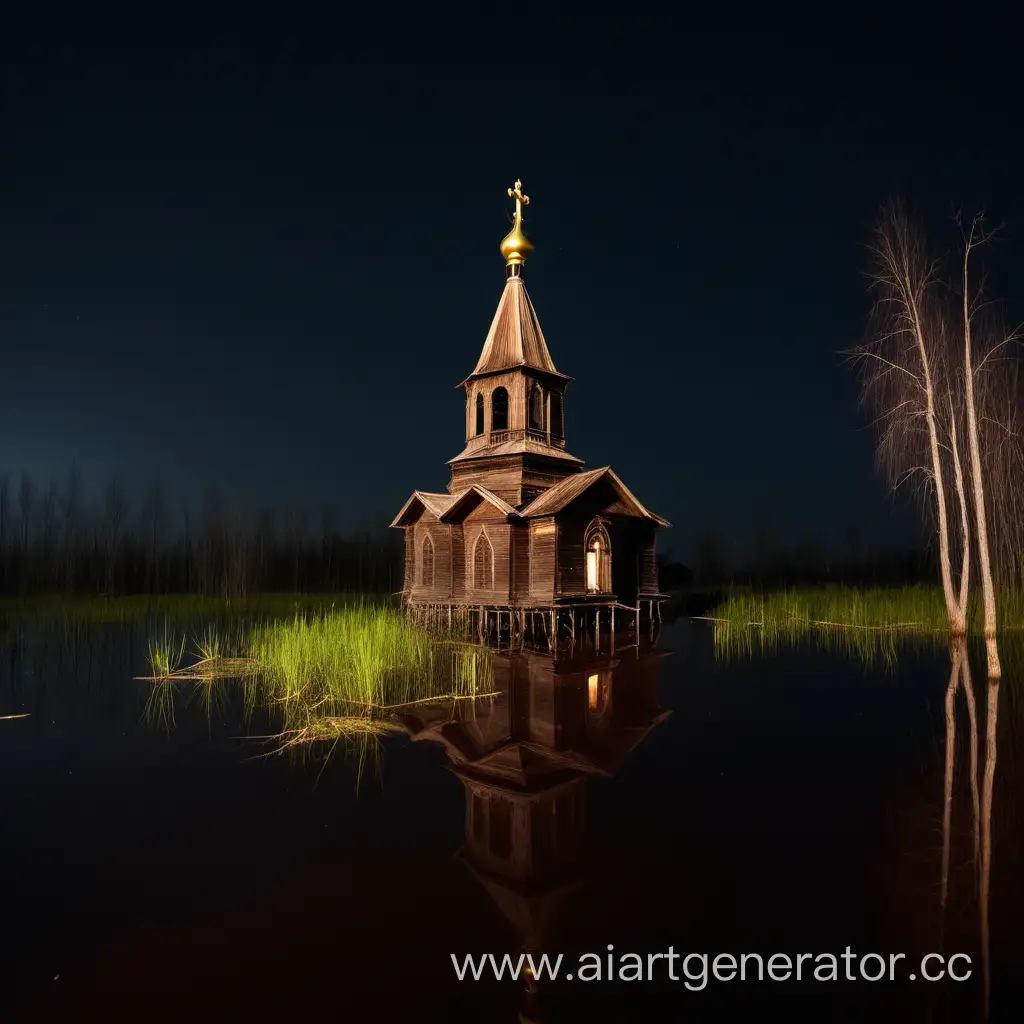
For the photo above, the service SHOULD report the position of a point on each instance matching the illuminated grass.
(164, 654)
(332, 676)
(364, 655)
(871, 623)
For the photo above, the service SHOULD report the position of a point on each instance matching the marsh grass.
(365, 655)
(209, 644)
(164, 654)
(872, 624)
(181, 609)
(333, 676)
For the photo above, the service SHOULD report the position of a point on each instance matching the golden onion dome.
(515, 246)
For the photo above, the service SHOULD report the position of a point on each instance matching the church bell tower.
(515, 398)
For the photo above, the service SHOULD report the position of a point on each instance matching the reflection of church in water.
(525, 759)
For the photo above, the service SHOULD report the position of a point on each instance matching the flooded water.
(156, 867)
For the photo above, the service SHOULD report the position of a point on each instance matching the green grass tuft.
(871, 623)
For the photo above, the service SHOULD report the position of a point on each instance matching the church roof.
(517, 446)
(436, 504)
(515, 338)
(444, 505)
(458, 500)
(555, 498)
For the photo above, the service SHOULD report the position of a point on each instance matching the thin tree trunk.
(957, 621)
(987, 588)
(965, 522)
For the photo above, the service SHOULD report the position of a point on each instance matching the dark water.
(787, 805)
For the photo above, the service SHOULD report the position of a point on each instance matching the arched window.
(557, 428)
(599, 559)
(479, 413)
(536, 408)
(427, 562)
(499, 409)
(483, 563)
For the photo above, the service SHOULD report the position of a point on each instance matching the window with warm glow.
(593, 566)
(592, 691)
(598, 566)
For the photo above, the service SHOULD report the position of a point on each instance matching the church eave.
(551, 375)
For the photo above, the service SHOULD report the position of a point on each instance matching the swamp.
(273, 810)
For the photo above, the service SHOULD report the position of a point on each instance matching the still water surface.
(155, 868)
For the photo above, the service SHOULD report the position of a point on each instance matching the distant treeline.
(803, 563)
(58, 539)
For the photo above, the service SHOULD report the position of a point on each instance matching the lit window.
(598, 566)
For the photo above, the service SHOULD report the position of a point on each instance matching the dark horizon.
(262, 259)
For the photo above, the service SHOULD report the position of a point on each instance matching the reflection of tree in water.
(524, 760)
(960, 676)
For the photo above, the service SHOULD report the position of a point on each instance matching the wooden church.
(523, 528)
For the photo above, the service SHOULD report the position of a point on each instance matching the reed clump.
(334, 674)
(870, 623)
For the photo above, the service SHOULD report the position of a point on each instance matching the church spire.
(515, 246)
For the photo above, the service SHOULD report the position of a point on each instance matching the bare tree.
(990, 393)
(115, 509)
(236, 576)
(906, 378)
(26, 503)
(5, 517)
(154, 524)
(47, 540)
(71, 509)
(265, 543)
(297, 525)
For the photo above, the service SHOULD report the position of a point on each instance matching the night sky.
(262, 257)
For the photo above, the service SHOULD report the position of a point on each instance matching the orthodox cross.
(521, 199)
